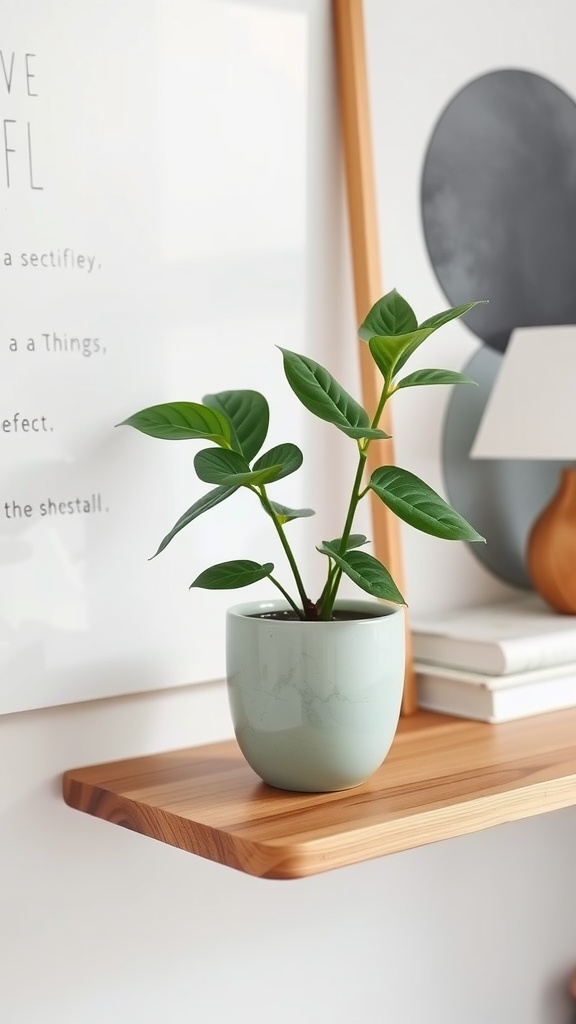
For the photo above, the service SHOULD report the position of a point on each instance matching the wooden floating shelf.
(444, 777)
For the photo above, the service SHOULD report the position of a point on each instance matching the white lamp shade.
(531, 411)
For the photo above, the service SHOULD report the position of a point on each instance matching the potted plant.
(315, 685)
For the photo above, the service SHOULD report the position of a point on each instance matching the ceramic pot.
(315, 705)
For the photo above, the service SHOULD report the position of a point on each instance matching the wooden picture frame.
(363, 225)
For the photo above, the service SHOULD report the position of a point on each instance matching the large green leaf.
(391, 349)
(214, 465)
(420, 377)
(249, 415)
(231, 575)
(287, 456)
(286, 515)
(429, 327)
(322, 395)
(389, 316)
(355, 540)
(179, 421)
(439, 319)
(366, 571)
(417, 504)
(203, 504)
(389, 352)
(218, 466)
(372, 433)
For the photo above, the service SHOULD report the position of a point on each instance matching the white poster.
(152, 249)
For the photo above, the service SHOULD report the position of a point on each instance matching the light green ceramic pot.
(315, 705)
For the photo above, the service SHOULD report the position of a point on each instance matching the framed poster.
(154, 205)
(474, 120)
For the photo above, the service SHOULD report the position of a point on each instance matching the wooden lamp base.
(551, 554)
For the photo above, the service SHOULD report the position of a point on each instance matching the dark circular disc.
(498, 201)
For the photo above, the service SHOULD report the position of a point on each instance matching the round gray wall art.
(498, 200)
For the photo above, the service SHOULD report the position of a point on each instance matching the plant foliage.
(236, 425)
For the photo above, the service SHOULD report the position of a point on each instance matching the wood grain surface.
(444, 777)
(356, 130)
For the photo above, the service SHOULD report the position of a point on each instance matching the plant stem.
(288, 550)
(287, 596)
(330, 591)
(353, 503)
(328, 600)
(331, 573)
(380, 408)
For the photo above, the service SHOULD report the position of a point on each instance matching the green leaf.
(214, 466)
(389, 316)
(203, 504)
(418, 505)
(355, 540)
(388, 352)
(373, 433)
(429, 327)
(450, 314)
(392, 349)
(433, 377)
(286, 515)
(323, 396)
(180, 421)
(249, 415)
(217, 466)
(366, 571)
(286, 456)
(232, 575)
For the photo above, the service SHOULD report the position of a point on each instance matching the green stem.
(287, 596)
(353, 503)
(284, 542)
(329, 593)
(327, 603)
(328, 584)
(380, 409)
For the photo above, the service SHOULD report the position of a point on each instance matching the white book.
(518, 635)
(495, 698)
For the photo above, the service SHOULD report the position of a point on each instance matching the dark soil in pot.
(338, 616)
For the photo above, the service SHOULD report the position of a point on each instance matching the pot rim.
(374, 609)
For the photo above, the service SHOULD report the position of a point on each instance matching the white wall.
(98, 924)
(101, 925)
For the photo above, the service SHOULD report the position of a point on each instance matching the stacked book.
(496, 662)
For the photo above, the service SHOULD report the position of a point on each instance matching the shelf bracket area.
(443, 777)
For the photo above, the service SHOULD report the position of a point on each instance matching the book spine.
(521, 654)
(526, 654)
